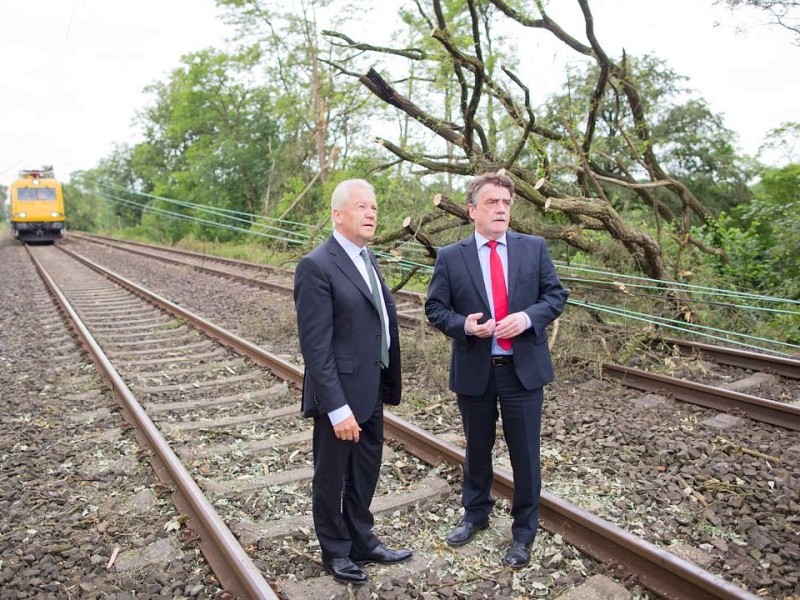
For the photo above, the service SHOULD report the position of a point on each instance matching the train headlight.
(22, 215)
(54, 214)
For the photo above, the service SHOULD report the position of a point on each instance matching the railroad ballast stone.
(65, 458)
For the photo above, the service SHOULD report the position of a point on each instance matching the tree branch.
(381, 88)
(410, 53)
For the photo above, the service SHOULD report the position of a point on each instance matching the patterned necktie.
(376, 300)
(499, 293)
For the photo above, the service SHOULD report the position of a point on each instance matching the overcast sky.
(72, 72)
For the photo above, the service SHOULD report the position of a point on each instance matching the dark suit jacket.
(340, 331)
(457, 290)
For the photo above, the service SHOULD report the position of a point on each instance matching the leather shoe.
(381, 555)
(464, 532)
(518, 555)
(344, 570)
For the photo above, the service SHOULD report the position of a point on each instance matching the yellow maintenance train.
(37, 206)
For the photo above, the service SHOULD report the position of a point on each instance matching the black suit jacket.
(340, 330)
(457, 290)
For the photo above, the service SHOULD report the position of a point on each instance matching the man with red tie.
(494, 293)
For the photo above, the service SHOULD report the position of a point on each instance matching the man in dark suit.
(347, 321)
(500, 354)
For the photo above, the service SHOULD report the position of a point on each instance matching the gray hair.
(342, 192)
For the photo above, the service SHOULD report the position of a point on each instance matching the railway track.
(105, 315)
(452, 452)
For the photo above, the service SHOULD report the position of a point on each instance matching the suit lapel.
(514, 253)
(469, 249)
(346, 266)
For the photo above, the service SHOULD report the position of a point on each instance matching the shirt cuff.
(340, 414)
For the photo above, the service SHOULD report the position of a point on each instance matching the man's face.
(357, 219)
(492, 211)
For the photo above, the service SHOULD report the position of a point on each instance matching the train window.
(25, 193)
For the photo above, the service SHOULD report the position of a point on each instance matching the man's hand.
(511, 326)
(347, 430)
(472, 327)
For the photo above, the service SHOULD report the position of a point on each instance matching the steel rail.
(231, 564)
(760, 409)
(782, 365)
(657, 569)
(210, 270)
(281, 368)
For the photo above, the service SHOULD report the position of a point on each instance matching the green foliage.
(762, 242)
(747, 266)
(117, 170)
(689, 140)
(314, 111)
(305, 206)
(785, 140)
(209, 134)
(775, 213)
(164, 228)
(89, 209)
(3, 209)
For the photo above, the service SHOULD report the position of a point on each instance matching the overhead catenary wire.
(695, 328)
(287, 235)
(654, 284)
(600, 285)
(239, 216)
(195, 219)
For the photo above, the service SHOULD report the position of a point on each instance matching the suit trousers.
(345, 478)
(521, 410)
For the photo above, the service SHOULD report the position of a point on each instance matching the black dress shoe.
(518, 555)
(464, 532)
(381, 555)
(345, 570)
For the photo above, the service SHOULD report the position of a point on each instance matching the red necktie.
(499, 294)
